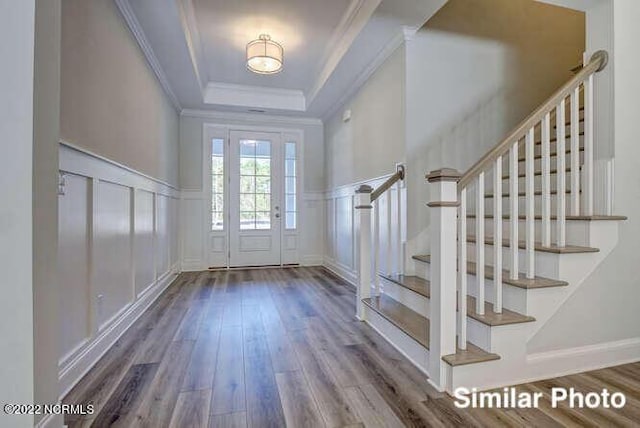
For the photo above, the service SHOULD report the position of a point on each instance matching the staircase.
(511, 240)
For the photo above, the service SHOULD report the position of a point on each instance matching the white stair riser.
(513, 298)
(478, 333)
(522, 183)
(577, 231)
(522, 205)
(414, 301)
(417, 354)
(537, 148)
(537, 167)
(537, 163)
(546, 264)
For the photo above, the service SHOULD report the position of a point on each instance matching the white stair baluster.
(561, 166)
(363, 213)
(497, 234)
(546, 181)
(480, 201)
(513, 209)
(588, 146)
(575, 152)
(389, 246)
(462, 270)
(609, 189)
(376, 247)
(400, 247)
(530, 205)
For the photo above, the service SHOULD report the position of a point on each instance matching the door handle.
(277, 215)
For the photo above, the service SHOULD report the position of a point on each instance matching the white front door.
(255, 185)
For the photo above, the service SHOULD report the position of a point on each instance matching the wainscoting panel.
(74, 225)
(192, 211)
(144, 232)
(341, 227)
(117, 251)
(112, 257)
(162, 243)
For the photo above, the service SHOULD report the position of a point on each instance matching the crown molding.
(405, 34)
(194, 42)
(254, 96)
(249, 117)
(353, 21)
(138, 33)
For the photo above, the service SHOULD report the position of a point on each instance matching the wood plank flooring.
(281, 347)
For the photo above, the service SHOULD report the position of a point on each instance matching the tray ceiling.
(197, 48)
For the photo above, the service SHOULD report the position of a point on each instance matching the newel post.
(442, 330)
(363, 238)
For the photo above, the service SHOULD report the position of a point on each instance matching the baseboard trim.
(51, 421)
(193, 266)
(312, 260)
(75, 369)
(569, 361)
(342, 272)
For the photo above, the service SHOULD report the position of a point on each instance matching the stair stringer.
(575, 269)
(517, 364)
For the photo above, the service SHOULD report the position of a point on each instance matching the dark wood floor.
(280, 347)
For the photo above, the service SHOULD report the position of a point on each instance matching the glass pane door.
(254, 234)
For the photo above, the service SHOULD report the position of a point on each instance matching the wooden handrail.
(399, 175)
(597, 63)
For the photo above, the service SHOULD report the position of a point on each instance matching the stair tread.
(551, 155)
(416, 326)
(568, 123)
(535, 173)
(413, 283)
(471, 355)
(492, 318)
(554, 139)
(522, 194)
(521, 282)
(569, 249)
(409, 321)
(569, 217)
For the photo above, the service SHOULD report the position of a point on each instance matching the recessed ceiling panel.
(303, 27)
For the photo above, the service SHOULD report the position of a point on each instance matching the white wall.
(194, 210)
(16, 127)
(118, 219)
(373, 140)
(605, 308)
(361, 151)
(117, 250)
(474, 71)
(112, 103)
(45, 198)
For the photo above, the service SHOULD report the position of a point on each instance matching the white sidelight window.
(291, 175)
(217, 184)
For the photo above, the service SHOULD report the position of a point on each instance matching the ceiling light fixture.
(264, 56)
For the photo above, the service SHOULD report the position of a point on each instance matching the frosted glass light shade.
(264, 56)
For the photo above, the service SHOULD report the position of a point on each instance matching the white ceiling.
(304, 28)
(197, 48)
